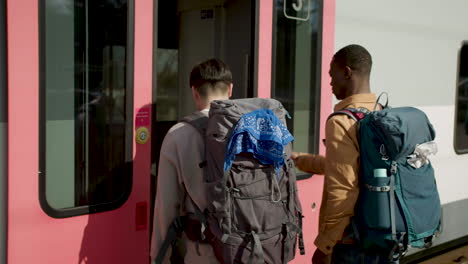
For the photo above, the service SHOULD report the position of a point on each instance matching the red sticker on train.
(142, 117)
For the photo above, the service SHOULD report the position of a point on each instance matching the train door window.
(461, 111)
(85, 105)
(296, 58)
(189, 32)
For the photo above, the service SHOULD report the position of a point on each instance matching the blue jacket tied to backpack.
(261, 133)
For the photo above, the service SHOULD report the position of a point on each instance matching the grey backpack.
(255, 215)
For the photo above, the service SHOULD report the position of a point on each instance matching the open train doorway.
(189, 32)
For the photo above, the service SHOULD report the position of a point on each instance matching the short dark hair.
(212, 75)
(354, 56)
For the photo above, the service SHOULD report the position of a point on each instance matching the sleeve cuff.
(324, 244)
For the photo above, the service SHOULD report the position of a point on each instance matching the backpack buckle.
(179, 224)
(383, 152)
(385, 188)
(399, 249)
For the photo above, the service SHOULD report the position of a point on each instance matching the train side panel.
(415, 47)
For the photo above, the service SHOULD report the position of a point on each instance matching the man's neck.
(359, 87)
(206, 103)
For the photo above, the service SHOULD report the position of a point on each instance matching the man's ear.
(197, 98)
(348, 72)
(230, 90)
(194, 92)
(195, 95)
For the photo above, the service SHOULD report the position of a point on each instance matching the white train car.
(421, 59)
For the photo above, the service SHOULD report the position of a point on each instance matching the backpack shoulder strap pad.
(198, 120)
(354, 113)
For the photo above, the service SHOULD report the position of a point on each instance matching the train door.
(79, 96)
(302, 48)
(3, 135)
(188, 32)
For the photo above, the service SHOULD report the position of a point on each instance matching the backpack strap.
(399, 249)
(256, 248)
(175, 229)
(378, 103)
(198, 120)
(357, 114)
(292, 207)
(301, 234)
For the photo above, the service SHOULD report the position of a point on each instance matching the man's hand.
(294, 155)
(320, 258)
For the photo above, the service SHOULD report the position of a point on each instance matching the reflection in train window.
(461, 112)
(295, 68)
(86, 106)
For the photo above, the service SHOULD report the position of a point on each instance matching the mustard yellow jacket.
(341, 168)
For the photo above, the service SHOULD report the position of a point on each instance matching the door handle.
(141, 215)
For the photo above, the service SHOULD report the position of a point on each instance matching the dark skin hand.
(320, 258)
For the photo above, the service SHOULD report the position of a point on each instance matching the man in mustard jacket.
(350, 73)
(181, 187)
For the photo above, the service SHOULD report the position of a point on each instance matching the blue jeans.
(353, 254)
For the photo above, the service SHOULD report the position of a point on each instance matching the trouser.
(353, 254)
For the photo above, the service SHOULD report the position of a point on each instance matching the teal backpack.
(400, 206)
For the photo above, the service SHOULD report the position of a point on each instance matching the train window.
(461, 111)
(295, 68)
(86, 105)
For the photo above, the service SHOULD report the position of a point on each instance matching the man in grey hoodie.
(180, 185)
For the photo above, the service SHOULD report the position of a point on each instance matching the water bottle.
(381, 200)
(378, 173)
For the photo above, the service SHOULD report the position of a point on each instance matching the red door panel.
(119, 235)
